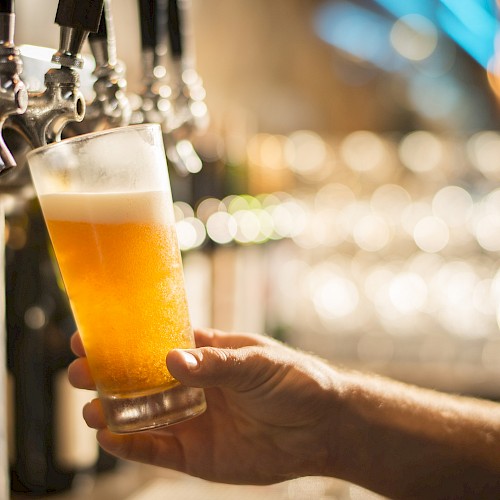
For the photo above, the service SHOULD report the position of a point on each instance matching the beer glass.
(106, 199)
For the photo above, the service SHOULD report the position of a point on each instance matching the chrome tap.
(187, 86)
(13, 93)
(110, 106)
(173, 94)
(49, 111)
(155, 106)
(61, 102)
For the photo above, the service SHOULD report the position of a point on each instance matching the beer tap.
(49, 111)
(13, 93)
(155, 106)
(187, 86)
(172, 102)
(110, 106)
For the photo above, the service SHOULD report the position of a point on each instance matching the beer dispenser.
(38, 318)
(173, 93)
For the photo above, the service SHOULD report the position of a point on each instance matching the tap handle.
(7, 6)
(102, 31)
(77, 18)
(153, 14)
(147, 14)
(84, 15)
(175, 28)
(7, 17)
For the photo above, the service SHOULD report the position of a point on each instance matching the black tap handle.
(83, 14)
(148, 18)
(7, 6)
(175, 28)
(102, 32)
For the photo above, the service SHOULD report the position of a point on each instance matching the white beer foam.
(108, 208)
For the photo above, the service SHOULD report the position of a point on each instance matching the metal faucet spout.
(61, 102)
(110, 106)
(49, 111)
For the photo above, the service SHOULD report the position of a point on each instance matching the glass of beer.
(106, 199)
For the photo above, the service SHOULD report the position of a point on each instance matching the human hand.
(270, 417)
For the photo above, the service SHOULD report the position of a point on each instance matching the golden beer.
(107, 202)
(121, 265)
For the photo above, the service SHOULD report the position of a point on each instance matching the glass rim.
(89, 135)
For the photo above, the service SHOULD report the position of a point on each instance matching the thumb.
(239, 369)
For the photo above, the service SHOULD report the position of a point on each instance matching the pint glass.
(106, 199)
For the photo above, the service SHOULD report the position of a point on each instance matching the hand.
(271, 412)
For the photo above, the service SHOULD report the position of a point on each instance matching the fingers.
(240, 369)
(77, 345)
(162, 450)
(79, 374)
(94, 415)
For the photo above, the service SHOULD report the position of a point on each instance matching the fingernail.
(190, 360)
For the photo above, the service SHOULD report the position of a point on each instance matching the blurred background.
(346, 202)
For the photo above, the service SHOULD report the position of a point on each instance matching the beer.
(121, 265)
(107, 202)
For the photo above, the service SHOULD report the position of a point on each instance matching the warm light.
(414, 37)
(199, 109)
(431, 234)
(390, 200)
(159, 72)
(333, 195)
(413, 213)
(165, 91)
(305, 152)
(408, 292)
(486, 223)
(189, 157)
(207, 207)
(266, 150)
(454, 205)
(377, 280)
(190, 233)
(241, 202)
(487, 231)
(484, 152)
(289, 218)
(371, 233)
(221, 227)
(421, 151)
(336, 297)
(164, 105)
(266, 226)
(453, 290)
(362, 151)
(483, 297)
(248, 226)
(182, 210)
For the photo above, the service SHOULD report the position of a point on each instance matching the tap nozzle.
(49, 111)
(77, 18)
(110, 106)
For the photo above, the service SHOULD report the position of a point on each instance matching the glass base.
(150, 411)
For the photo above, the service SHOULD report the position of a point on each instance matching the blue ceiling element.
(358, 32)
(471, 24)
(365, 32)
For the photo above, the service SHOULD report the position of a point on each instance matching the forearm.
(407, 442)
